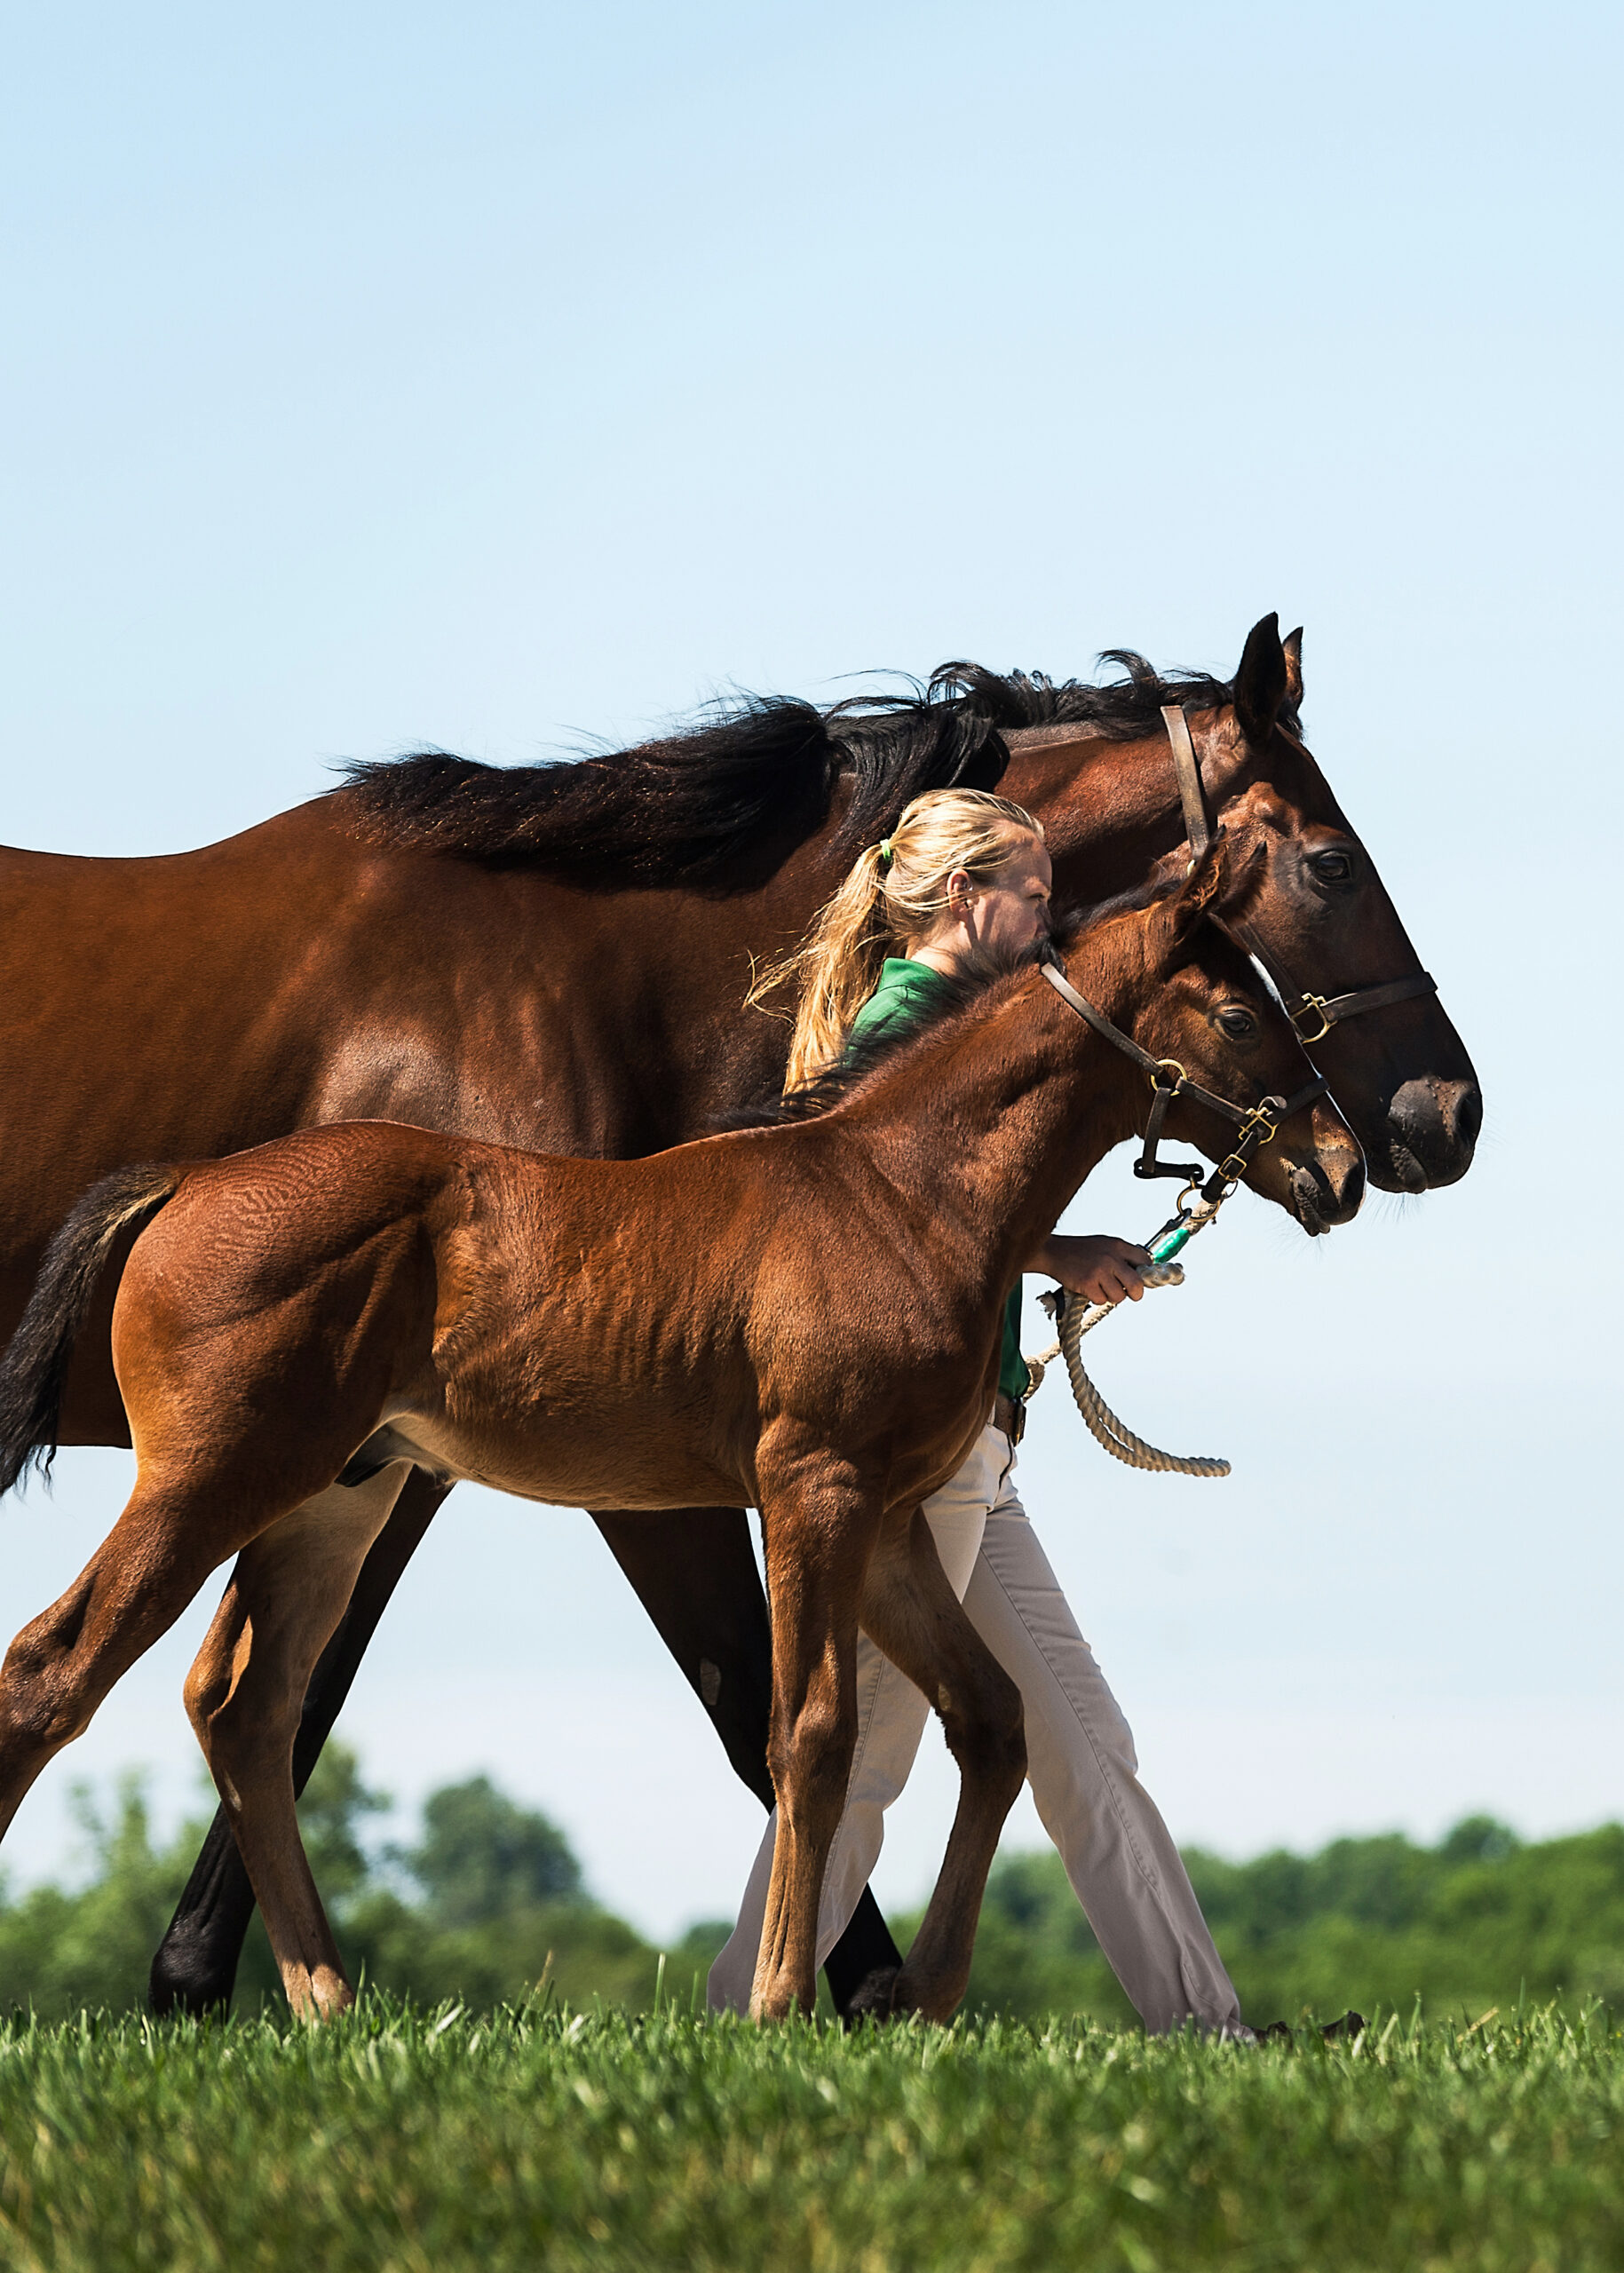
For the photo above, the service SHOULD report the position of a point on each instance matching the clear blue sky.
(502, 375)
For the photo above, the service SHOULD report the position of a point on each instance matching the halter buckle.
(1259, 1128)
(1317, 1005)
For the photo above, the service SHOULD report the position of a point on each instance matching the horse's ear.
(1292, 647)
(1262, 680)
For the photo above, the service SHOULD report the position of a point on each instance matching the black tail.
(35, 1366)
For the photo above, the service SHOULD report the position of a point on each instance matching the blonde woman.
(962, 874)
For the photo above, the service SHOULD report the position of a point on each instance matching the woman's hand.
(1101, 1270)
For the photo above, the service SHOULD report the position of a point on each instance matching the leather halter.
(1256, 1126)
(1200, 829)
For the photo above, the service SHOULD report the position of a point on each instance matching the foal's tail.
(35, 1365)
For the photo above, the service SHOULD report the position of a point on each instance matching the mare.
(555, 957)
(699, 1328)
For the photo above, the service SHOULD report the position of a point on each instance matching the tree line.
(489, 1903)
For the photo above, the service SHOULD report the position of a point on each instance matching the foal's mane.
(956, 994)
(722, 802)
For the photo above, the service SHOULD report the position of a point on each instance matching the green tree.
(482, 1857)
(62, 1949)
(1475, 1921)
(494, 1903)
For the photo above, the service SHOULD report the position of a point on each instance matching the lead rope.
(1077, 1319)
(1254, 1126)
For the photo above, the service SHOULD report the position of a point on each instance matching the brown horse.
(802, 1318)
(555, 957)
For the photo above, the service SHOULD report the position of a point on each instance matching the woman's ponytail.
(894, 893)
(839, 968)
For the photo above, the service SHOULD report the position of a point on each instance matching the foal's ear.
(1262, 679)
(1292, 645)
(1200, 892)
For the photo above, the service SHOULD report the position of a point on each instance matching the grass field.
(534, 2138)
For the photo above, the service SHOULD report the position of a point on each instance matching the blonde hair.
(894, 893)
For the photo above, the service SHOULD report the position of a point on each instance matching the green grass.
(533, 2138)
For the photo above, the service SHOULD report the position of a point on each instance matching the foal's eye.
(1238, 1024)
(1333, 868)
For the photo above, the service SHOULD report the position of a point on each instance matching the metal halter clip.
(1318, 1005)
(1259, 1128)
(1167, 1077)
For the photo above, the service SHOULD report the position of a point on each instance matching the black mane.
(723, 804)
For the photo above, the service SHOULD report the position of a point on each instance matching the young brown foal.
(802, 1318)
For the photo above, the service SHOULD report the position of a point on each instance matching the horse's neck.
(991, 1130)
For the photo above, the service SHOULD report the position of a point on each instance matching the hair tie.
(887, 852)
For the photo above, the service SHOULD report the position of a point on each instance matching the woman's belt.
(1009, 1414)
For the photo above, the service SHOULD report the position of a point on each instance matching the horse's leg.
(694, 1574)
(244, 1696)
(818, 1542)
(131, 1592)
(911, 1613)
(195, 1966)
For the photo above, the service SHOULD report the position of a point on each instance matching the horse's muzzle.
(1327, 1190)
(1433, 1129)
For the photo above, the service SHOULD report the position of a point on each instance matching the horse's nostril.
(1469, 1114)
(1328, 1190)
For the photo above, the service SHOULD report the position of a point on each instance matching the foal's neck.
(993, 1125)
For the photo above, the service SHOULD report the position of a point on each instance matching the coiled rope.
(1078, 1318)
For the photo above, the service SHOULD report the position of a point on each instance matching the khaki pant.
(1080, 1761)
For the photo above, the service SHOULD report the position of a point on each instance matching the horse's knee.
(208, 1683)
(985, 1728)
(738, 1695)
(812, 1761)
(246, 1728)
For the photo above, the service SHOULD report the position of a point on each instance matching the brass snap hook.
(1259, 1128)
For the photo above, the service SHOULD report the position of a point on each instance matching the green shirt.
(904, 993)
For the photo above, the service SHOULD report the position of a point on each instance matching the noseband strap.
(1313, 1015)
(1256, 1125)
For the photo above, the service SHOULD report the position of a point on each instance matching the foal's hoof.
(876, 1999)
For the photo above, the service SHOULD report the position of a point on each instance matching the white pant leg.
(1117, 1851)
(891, 1719)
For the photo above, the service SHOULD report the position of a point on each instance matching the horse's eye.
(1332, 867)
(1238, 1024)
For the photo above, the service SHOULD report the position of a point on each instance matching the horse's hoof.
(875, 1999)
(186, 1978)
(1352, 2024)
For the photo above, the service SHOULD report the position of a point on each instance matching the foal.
(802, 1318)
